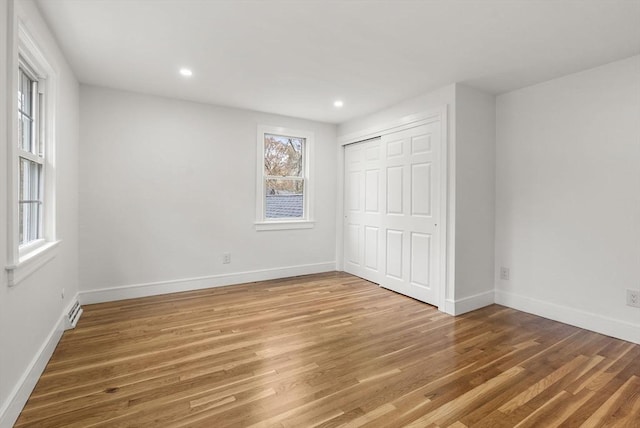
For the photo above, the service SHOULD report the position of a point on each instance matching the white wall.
(167, 186)
(568, 198)
(475, 198)
(5, 381)
(4, 20)
(30, 311)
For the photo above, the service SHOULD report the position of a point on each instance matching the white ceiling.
(296, 57)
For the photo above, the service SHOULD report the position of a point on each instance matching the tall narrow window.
(284, 177)
(31, 154)
(30, 158)
(283, 199)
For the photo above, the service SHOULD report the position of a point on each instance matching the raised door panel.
(420, 259)
(421, 143)
(421, 189)
(353, 190)
(372, 190)
(371, 244)
(394, 190)
(394, 254)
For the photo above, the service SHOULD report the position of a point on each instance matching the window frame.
(25, 259)
(38, 130)
(307, 220)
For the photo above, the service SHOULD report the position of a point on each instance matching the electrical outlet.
(504, 273)
(226, 258)
(633, 298)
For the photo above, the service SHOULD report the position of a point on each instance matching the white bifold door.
(392, 209)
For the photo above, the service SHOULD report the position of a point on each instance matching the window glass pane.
(20, 131)
(284, 198)
(26, 113)
(40, 116)
(29, 180)
(283, 156)
(29, 222)
(25, 94)
(20, 91)
(30, 203)
(25, 132)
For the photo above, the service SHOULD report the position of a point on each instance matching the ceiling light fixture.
(186, 72)
(338, 103)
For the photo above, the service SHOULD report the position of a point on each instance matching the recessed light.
(186, 72)
(338, 103)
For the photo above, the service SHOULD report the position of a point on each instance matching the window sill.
(285, 225)
(31, 262)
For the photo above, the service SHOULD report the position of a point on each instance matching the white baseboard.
(20, 394)
(189, 284)
(590, 321)
(468, 304)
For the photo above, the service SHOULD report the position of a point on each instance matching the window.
(31, 167)
(284, 176)
(30, 158)
(283, 196)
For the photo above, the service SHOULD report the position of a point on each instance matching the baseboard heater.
(73, 316)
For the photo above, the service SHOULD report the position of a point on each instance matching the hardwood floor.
(329, 350)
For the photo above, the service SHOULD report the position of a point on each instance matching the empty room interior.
(226, 213)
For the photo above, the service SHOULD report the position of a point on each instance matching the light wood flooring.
(329, 350)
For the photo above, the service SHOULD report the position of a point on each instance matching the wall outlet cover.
(633, 298)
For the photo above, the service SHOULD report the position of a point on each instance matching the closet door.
(363, 210)
(392, 208)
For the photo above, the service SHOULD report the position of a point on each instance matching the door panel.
(371, 247)
(421, 189)
(353, 249)
(354, 191)
(421, 144)
(372, 190)
(394, 190)
(394, 148)
(420, 252)
(392, 206)
(394, 253)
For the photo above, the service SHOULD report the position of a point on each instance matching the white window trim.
(307, 222)
(285, 225)
(23, 261)
(31, 262)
